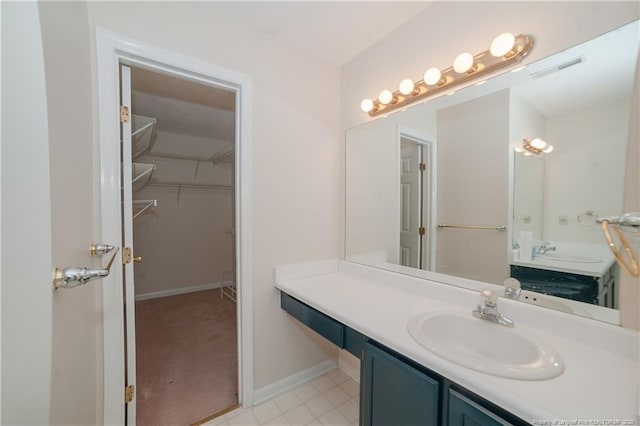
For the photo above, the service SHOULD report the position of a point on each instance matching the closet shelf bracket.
(142, 172)
(147, 204)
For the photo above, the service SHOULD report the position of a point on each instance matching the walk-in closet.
(183, 168)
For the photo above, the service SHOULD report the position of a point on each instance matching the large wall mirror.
(446, 190)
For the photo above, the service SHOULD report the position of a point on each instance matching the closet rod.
(187, 185)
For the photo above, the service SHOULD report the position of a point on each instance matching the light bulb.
(463, 63)
(518, 69)
(518, 148)
(406, 86)
(366, 105)
(548, 149)
(527, 154)
(502, 44)
(538, 143)
(432, 76)
(385, 97)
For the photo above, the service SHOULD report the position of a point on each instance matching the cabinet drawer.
(317, 321)
(354, 341)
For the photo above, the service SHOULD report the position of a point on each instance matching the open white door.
(127, 244)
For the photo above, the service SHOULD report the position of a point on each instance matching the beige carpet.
(186, 358)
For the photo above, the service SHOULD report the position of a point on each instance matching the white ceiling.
(606, 74)
(336, 31)
(184, 107)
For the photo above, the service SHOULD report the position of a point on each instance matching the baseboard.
(176, 291)
(281, 386)
(350, 365)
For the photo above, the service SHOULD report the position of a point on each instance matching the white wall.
(26, 221)
(589, 157)
(295, 148)
(371, 182)
(473, 187)
(525, 122)
(76, 319)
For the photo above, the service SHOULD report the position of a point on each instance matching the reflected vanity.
(445, 191)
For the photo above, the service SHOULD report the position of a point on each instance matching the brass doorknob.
(137, 259)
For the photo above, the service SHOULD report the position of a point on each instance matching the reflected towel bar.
(624, 255)
(490, 228)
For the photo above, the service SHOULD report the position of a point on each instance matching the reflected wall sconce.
(505, 50)
(534, 146)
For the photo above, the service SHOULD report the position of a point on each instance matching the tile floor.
(331, 399)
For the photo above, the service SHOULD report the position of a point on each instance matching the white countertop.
(600, 381)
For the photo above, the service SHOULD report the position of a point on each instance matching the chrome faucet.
(512, 288)
(489, 310)
(544, 247)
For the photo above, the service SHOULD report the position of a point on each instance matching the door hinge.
(126, 255)
(128, 394)
(421, 230)
(124, 114)
(423, 167)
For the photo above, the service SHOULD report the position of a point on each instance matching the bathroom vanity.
(395, 389)
(366, 311)
(577, 271)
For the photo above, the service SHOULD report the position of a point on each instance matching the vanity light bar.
(466, 68)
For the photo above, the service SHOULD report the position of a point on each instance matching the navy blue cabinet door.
(464, 412)
(394, 393)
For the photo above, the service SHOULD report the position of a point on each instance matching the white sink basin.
(484, 346)
(575, 258)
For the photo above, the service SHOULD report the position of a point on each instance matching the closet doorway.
(182, 162)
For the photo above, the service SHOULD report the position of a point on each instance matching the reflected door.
(411, 227)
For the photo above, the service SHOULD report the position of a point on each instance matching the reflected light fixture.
(535, 146)
(505, 50)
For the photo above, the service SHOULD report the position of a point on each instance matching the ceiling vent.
(556, 68)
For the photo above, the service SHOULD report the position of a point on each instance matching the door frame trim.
(111, 50)
(429, 141)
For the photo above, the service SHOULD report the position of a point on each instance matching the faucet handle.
(511, 283)
(512, 288)
(489, 298)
